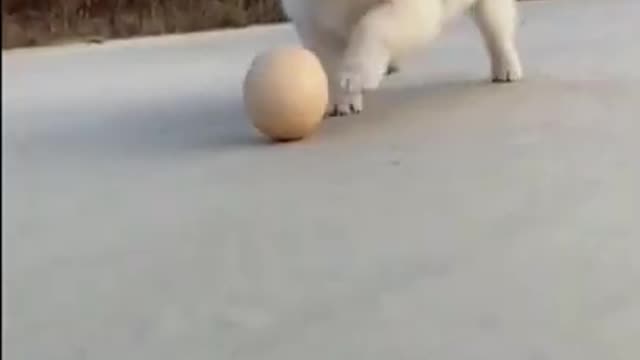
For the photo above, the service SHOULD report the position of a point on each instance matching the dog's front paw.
(507, 70)
(347, 96)
(347, 104)
(352, 82)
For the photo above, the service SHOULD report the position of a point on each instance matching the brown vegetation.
(39, 22)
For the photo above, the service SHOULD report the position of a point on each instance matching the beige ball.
(286, 93)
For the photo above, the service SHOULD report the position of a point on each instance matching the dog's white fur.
(359, 40)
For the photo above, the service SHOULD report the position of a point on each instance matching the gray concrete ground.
(455, 219)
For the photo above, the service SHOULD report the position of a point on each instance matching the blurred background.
(44, 22)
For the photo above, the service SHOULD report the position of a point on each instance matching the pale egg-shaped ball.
(286, 93)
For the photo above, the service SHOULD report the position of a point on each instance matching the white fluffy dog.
(360, 41)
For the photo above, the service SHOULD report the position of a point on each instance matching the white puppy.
(360, 41)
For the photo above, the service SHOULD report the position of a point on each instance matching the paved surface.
(144, 219)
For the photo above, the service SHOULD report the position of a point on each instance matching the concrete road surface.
(454, 220)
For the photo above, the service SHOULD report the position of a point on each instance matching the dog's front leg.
(330, 51)
(383, 34)
(497, 22)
